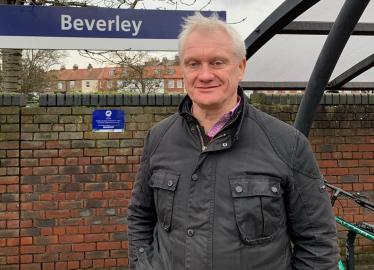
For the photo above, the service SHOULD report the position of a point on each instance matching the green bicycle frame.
(341, 266)
(355, 229)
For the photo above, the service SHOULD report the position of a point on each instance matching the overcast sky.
(285, 57)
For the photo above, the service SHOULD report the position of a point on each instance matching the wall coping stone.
(67, 100)
(119, 100)
(327, 99)
(13, 100)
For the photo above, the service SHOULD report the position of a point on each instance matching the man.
(222, 185)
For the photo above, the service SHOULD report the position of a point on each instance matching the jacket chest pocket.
(164, 183)
(258, 203)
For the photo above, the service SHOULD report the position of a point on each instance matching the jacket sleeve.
(141, 210)
(311, 221)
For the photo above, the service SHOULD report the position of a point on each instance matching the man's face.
(211, 70)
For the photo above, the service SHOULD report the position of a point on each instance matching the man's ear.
(242, 65)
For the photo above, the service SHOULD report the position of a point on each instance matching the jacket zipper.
(223, 135)
(203, 147)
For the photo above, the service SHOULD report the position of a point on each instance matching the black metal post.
(350, 250)
(326, 62)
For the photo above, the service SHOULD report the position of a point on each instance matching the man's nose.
(205, 73)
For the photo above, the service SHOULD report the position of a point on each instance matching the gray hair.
(199, 23)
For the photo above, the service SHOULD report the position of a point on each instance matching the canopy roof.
(343, 58)
(291, 57)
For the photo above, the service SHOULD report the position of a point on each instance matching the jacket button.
(170, 183)
(190, 233)
(141, 249)
(195, 177)
(239, 189)
(274, 189)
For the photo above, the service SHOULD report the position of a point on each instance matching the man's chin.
(208, 105)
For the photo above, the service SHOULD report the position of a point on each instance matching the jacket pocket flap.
(164, 179)
(255, 185)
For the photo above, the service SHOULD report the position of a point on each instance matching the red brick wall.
(73, 188)
(63, 200)
(342, 138)
(9, 186)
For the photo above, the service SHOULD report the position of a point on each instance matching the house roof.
(103, 73)
(78, 74)
(177, 75)
(93, 74)
(118, 72)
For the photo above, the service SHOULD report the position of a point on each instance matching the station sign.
(80, 28)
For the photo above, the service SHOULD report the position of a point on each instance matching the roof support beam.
(281, 17)
(262, 85)
(326, 62)
(352, 73)
(323, 28)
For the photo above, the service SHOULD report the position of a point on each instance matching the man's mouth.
(206, 88)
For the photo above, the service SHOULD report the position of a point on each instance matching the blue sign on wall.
(40, 27)
(108, 120)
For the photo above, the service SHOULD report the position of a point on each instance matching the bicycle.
(362, 228)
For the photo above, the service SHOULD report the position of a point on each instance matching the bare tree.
(35, 67)
(140, 71)
(137, 71)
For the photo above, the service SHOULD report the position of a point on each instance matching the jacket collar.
(185, 110)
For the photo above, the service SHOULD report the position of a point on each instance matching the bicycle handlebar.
(355, 197)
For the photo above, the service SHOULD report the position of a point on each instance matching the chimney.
(164, 60)
(176, 60)
(75, 67)
(62, 68)
(89, 67)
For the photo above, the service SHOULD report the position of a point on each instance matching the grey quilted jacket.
(235, 203)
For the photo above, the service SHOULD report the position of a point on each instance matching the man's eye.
(217, 63)
(192, 64)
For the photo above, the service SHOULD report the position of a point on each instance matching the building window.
(87, 83)
(132, 84)
(112, 72)
(125, 72)
(121, 83)
(171, 84)
(71, 84)
(171, 71)
(48, 85)
(109, 84)
(157, 71)
(179, 84)
(102, 84)
(59, 86)
(157, 83)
